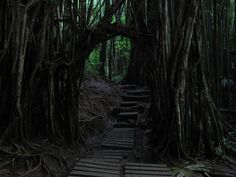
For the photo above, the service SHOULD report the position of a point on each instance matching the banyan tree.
(44, 46)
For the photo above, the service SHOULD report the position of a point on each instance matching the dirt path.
(121, 151)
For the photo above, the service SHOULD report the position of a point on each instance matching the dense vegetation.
(118, 54)
(181, 50)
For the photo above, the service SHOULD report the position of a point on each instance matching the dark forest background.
(184, 51)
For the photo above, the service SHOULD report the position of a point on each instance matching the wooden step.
(145, 165)
(124, 125)
(89, 161)
(93, 168)
(121, 131)
(118, 110)
(98, 166)
(118, 146)
(120, 138)
(128, 103)
(128, 87)
(111, 153)
(155, 173)
(105, 156)
(91, 174)
(138, 92)
(114, 151)
(97, 170)
(144, 170)
(101, 159)
(123, 139)
(119, 141)
(143, 98)
(128, 115)
(140, 109)
(116, 136)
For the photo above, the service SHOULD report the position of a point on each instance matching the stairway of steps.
(119, 150)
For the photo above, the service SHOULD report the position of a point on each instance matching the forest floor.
(97, 100)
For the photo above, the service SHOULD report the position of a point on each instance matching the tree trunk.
(103, 56)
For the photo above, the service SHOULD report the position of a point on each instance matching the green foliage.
(122, 19)
(123, 47)
(117, 78)
(92, 64)
(185, 172)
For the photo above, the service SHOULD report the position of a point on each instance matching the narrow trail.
(122, 149)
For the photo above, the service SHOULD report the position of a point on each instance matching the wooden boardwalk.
(116, 155)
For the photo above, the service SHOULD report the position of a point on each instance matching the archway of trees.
(180, 50)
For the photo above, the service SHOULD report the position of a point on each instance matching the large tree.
(44, 46)
(183, 115)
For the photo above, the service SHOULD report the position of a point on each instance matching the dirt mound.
(97, 99)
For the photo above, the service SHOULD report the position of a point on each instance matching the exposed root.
(32, 170)
(30, 158)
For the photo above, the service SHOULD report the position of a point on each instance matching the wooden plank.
(120, 134)
(97, 166)
(118, 142)
(91, 174)
(124, 124)
(114, 153)
(129, 137)
(117, 146)
(121, 139)
(97, 170)
(115, 150)
(139, 172)
(147, 168)
(128, 87)
(129, 108)
(145, 164)
(133, 113)
(105, 156)
(129, 103)
(132, 175)
(144, 99)
(97, 162)
(116, 136)
(138, 92)
(127, 118)
(111, 154)
(105, 160)
(131, 145)
(123, 129)
(135, 96)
